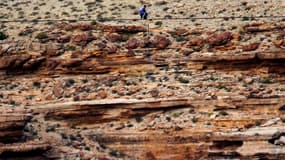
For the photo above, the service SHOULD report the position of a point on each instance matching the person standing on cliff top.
(143, 12)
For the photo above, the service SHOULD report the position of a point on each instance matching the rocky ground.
(191, 89)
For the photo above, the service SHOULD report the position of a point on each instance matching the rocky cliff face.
(98, 91)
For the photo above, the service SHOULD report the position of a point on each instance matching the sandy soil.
(90, 9)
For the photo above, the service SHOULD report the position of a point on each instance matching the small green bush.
(158, 23)
(176, 114)
(183, 80)
(223, 113)
(3, 36)
(42, 35)
(37, 84)
(266, 80)
(179, 38)
(161, 3)
(125, 37)
(69, 82)
(258, 123)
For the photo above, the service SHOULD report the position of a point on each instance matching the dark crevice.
(222, 155)
(275, 137)
(168, 108)
(226, 144)
(35, 155)
(282, 108)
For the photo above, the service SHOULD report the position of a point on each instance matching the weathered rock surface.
(12, 136)
(119, 93)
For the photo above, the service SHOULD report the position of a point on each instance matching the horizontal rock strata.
(93, 90)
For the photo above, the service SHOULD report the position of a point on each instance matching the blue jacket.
(142, 11)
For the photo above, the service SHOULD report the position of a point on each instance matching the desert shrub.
(223, 113)
(183, 80)
(41, 35)
(158, 23)
(266, 80)
(3, 36)
(158, 3)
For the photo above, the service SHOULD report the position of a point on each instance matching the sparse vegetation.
(179, 38)
(117, 154)
(266, 80)
(158, 23)
(69, 82)
(159, 3)
(41, 36)
(140, 83)
(176, 114)
(194, 119)
(223, 113)
(37, 84)
(258, 123)
(3, 36)
(183, 80)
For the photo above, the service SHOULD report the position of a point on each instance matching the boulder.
(250, 47)
(160, 42)
(82, 39)
(58, 90)
(196, 41)
(132, 43)
(101, 45)
(102, 94)
(187, 52)
(114, 37)
(84, 26)
(111, 49)
(218, 39)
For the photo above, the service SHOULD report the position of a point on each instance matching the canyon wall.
(101, 91)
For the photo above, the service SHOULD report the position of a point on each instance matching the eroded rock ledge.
(13, 141)
(111, 92)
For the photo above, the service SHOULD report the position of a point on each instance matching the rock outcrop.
(14, 141)
(114, 92)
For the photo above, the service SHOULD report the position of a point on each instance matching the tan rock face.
(115, 92)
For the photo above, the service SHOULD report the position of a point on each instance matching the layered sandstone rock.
(14, 143)
(115, 92)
